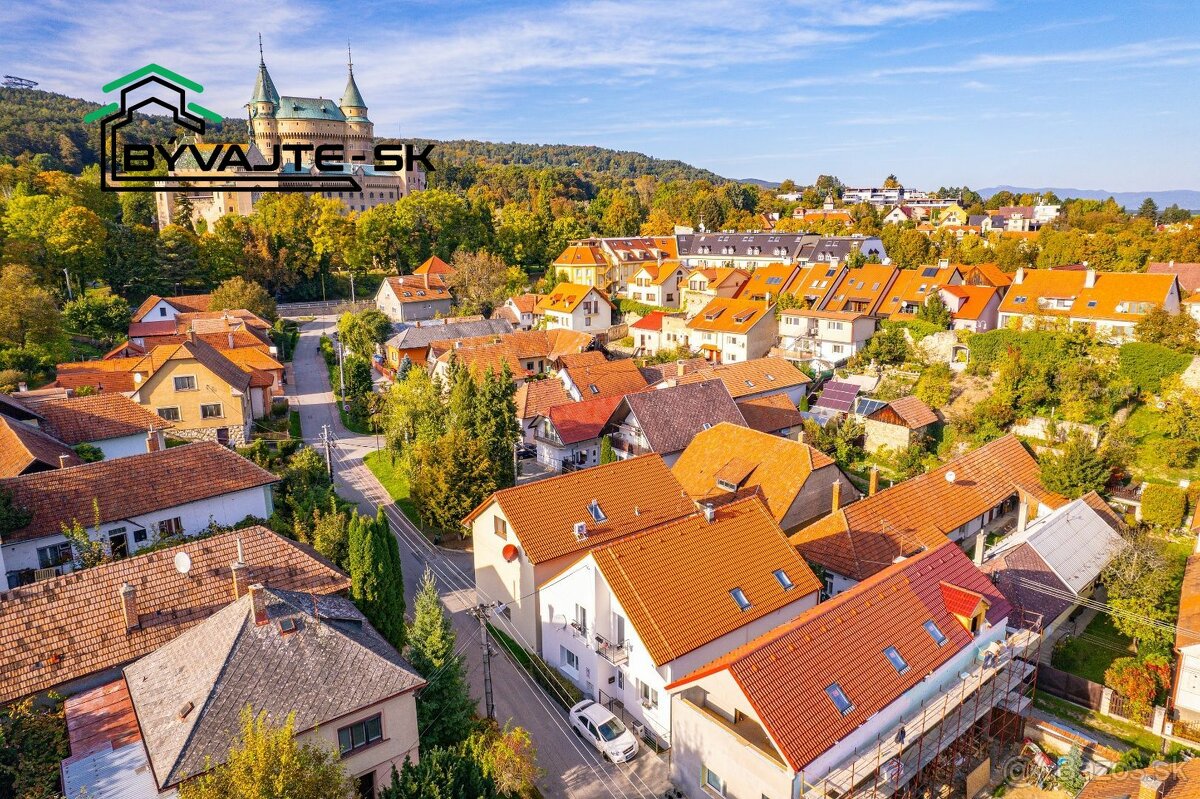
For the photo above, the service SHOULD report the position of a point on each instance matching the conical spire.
(352, 97)
(264, 87)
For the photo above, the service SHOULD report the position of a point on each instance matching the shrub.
(1147, 365)
(1164, 505)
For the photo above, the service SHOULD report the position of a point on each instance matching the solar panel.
(868, 406)
(929, 271)
(838, 396)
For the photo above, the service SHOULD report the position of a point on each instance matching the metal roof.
(110, 774)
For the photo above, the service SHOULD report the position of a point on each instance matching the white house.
(567, 435)
(658, 284)
(829, 336)
(575, 307)
(136, 500)
(113, 423)
(411, 298)
(859, 693)
(732, 330)
(629, 617)
(1187, 642)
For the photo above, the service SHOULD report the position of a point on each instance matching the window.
(170, 414)
(499, 527)
(712, 781)
(139, 536)
(937, 635)
(360, 734)
(784, 581)
(580, 622)
(839, 698)
(172, 526)
(647, 695)
(212, 411)
(185, 383)
(162, 311)
(739, 596)
(894, 657)
(568, 659)
(54, 555)
(1018, 300)
(596, 513)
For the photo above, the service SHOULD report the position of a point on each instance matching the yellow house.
(201, 392)
(952, 214)
(585, 265)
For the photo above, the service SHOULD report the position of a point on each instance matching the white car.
(599, 727)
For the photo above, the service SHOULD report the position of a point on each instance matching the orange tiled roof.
(581, 255)
(775, 468)
(771, 413)
(868, 284)
(565, 297)
(768, 280)
(526, 303)
(1103, 301)
(730, 315)
(913, 286)
(608, 379)
(423, 288)
(633, 494)
(114, 374)
(98, 418)
(71, 626)
(483, 352)
(785, 672)
(100, 719)
(718, 276)
(756, 376)
(988, 273)
(130, 486)
(975, 300)
(587, 358)
(537, 397)
(249, 359)
(185, 303)
(434, 266)
(1188, 631)
(23, 446)
(582, 421)
(917, 514)
(674, 580)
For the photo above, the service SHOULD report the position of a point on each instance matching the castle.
(276, 120)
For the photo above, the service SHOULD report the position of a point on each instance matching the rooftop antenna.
(241, 553)
(349, 57)
(260, 50)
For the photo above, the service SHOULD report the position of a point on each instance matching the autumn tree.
(28, 312)
(935, 312)
(444, 707)
(1075, 468)
(237, 293)
(267, 760)
(479, 283)
(362, 332)
(507, 757)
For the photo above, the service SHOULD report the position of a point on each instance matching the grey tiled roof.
(671, 417)
(411, 337)
(836, 248)
(765, 245)
(330, 666)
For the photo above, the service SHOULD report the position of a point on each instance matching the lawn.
(1151, 462)
(394, 481)
(294, 425)
(1091, 653)
(351, 422)
(1134, 736)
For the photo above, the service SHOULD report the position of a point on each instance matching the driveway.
(571, 769)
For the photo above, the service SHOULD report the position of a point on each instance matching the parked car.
(597, 725)
(526, 451)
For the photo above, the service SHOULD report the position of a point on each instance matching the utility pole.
(71, 294)
(341, 373)
(327, 440)
(482, 612)
(351, 288)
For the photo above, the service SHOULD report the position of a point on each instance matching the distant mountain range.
(1184, 198)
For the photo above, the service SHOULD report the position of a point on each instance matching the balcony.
(629, 448)
(614, 653)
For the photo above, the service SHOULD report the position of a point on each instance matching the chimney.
(874, 486)
(1150, 787)
(241, 572)
(679, 368)
(709, 512)
(230, 335)
(259, 601)
(1019, 277)
(127, 594)
(151, 441)
(1089, 282)
(22, 387)
(837, 495)
(980, 543)
(62, 461)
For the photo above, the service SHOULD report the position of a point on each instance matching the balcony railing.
(615, 653)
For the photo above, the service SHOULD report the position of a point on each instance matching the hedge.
(1164, 505)
(1036, 345)
(626, 305)
(560, 689)
(1147, 365)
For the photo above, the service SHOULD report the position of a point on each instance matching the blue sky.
(940, 92)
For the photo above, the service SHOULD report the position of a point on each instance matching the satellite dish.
(950, 476)
(183, 562)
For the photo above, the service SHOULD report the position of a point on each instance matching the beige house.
(658, 283)
(174, 714)
(730, 330)
(413, 298)
(701, 286)
(572, 306)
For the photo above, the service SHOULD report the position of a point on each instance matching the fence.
(1070, 687)
(331, 307)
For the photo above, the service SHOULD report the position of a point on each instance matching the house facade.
(972, 308)
(609, 620)
(412, 298)
(130, 503)
(567, 436)
(729, 330)
(659, 284)
(666, 419)
(829, 336)
(572, 306)
(702, 285)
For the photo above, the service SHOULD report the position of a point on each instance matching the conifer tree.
(376, 576)
(444, 706)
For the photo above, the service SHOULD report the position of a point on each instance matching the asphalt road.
(571, 768)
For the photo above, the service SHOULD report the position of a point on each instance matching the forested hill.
(36, 122)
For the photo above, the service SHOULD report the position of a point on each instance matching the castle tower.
(360, 131)
(264, 102)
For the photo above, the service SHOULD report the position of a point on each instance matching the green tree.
(607, 455)
(99, 314)
(89, 453)
(935, 312)
(87, 550)
(1143, 580)
(177, 256)
(359, 381)
(1148, 209)
(362, 332)
(330, 535)
(444, 706)
(33, 742)
(449, 476)
(479, 282)
(495, 423)
(441, 773)
(184, 211)
(1075, 468)
(28, 313)
(933, 386)
(376, 576)
(267, 761)
(507, 757)
(237, 293)
(413, 410)
(1179, 331)
(1070, 773)
(887, 346)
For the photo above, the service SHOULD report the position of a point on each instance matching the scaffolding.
(928, 754)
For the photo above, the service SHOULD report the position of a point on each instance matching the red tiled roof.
(130, 486)
(785, 672)
(98, 418)
(72, 626)
(1189, 273)
(651, 321)
(582, 421)
(23, 446)
(771, 413)
(960, 601)
(99, 718)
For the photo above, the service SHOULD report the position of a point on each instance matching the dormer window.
(726, 485)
